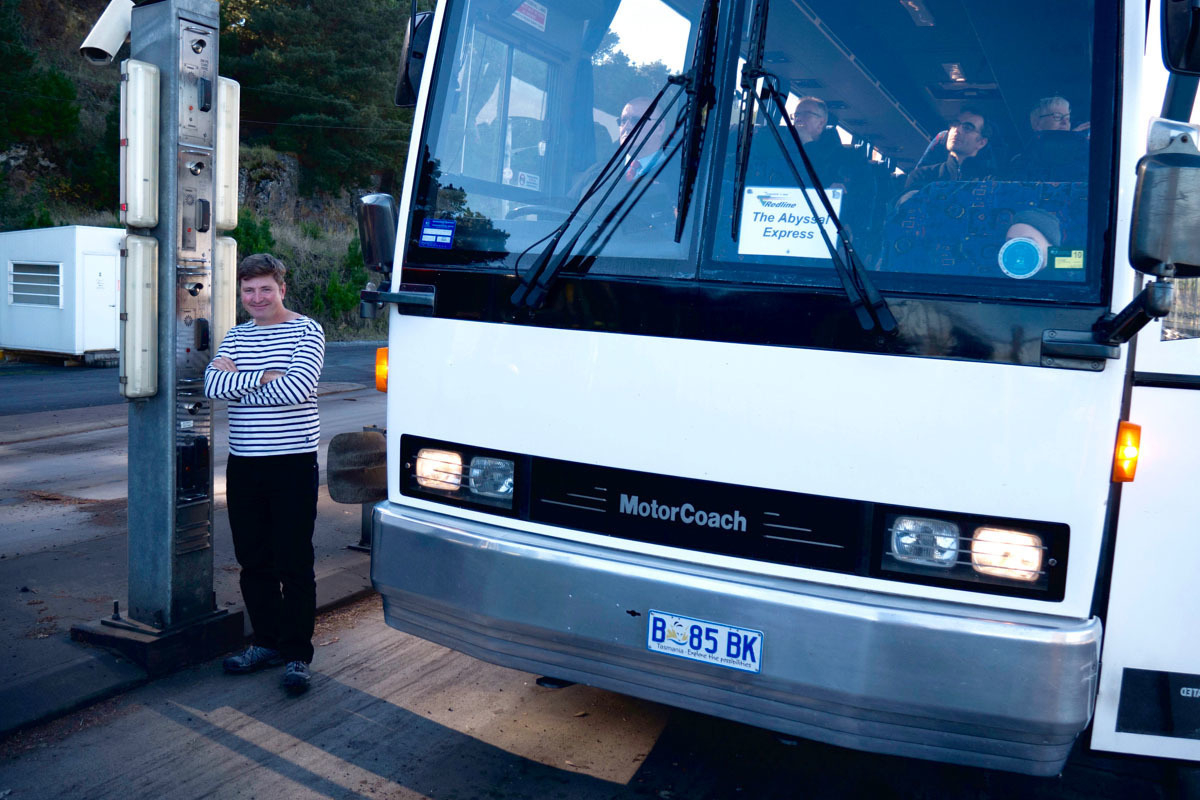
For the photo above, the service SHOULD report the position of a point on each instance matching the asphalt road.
(393, 716)
(27, 386)
(48, 479)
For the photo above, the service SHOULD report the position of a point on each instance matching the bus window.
(952, 139)
(525, 115)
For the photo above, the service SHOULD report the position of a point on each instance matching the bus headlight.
(491, 477)
(920, 540)
(439, 469)
(1003, 553)
(461, 475)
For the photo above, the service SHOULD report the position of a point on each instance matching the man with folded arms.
(268, 370)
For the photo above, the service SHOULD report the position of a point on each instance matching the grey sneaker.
(252, 659)
(296, 677)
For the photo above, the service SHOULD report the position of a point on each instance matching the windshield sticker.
(1066, 258)
(777, 221)
(533, 14)
(1184, 320)
(527, 180)
(438, 233)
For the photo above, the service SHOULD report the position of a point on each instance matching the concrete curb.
(98, 674)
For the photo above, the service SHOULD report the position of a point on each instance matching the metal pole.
(170, 434)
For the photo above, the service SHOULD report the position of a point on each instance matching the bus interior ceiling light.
(920, 540)
(919, 13)
(1129, 447)
(1004, 553)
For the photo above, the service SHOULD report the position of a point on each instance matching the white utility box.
(60, 291)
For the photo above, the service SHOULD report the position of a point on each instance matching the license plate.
(701, 640)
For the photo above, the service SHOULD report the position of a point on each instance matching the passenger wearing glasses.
(1051, 114)
(966, 140)
(1056, 153)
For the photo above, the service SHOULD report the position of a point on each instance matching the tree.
(37, 104)
(619, 80)
(317, 80)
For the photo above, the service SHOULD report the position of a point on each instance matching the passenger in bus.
(966, 141)
(832, 161)
(1051, 114)
(647, 157)
(1056, 153)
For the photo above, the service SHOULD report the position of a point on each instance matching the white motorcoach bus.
(775, 359)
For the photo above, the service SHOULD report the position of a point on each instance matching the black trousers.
(272, 508)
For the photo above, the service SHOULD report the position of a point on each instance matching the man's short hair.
(1045, 222)
(816, 101)
(987, 130)
(1043, 106)
(261, 265)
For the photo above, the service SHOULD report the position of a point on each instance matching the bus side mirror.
(1181, 37)
(377, 222)
(412, 59)
(1166, 203)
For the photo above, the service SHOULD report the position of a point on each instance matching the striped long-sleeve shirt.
(280, 416)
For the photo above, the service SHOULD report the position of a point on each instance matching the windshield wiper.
(535, 284)
(752, 67)
(701, 96)
(868, 304)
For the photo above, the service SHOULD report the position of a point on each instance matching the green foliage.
(312, 83)
(312, 230)
(253, 235)
(38, 218)
(618, 80)
(14, 77)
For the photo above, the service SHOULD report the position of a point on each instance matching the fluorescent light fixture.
(139, 317)
(919, 13)
(139, 144)
(224, 288)
(955, 72)
(225, 161)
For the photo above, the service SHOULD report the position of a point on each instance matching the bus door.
(1149, 699)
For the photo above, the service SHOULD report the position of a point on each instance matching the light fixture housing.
(1127, 451)
(224, 293)
(974, 552)
(139, 317)
(461, 475)
(381, 369)
(139, 144)
(225, 155)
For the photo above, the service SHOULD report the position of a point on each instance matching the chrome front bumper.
(912, 677)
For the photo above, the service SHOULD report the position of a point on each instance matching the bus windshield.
(957, 141)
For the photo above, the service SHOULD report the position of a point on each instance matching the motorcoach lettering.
(687, 513)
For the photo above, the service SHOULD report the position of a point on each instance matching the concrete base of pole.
(159, 652)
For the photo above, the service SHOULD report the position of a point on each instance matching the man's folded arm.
(300, 379)
(221, 384)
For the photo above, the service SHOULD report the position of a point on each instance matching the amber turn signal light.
(1129, 445)
(381, 369)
